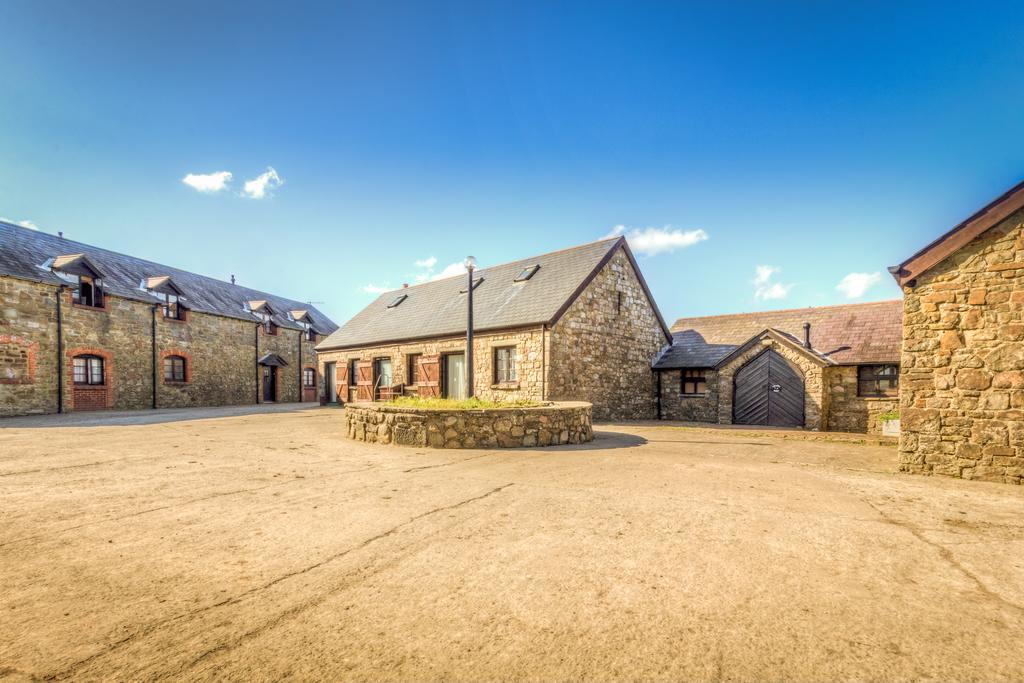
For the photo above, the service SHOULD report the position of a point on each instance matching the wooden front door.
(430, 375)
(364, 380)
(768, 391)
(269, 384)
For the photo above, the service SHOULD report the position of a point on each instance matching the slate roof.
(23, 253)
(845, 335)
(438, 309)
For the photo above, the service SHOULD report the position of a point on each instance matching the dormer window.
(310, 335)
(527, 273)
(88, 293)
(173, 310)
(268, 325)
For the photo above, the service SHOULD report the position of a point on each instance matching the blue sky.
(811, 139)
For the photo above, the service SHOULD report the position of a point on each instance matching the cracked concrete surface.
(263, 546)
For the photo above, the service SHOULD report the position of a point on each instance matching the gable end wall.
(603, 355)
(962, 373)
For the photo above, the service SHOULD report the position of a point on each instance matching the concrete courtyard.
(253, 545)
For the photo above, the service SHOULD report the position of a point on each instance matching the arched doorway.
(768, 391)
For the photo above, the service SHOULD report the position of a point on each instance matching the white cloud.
(427, 263)
(261, 185)
(208, 182)
(653, 241)
(376, 289)
(25, 224)
(764, 274)
(855, 285)
(764, 288)
(451, 270)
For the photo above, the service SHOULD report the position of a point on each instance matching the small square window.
(505, 365)
(878, 380)
(694, 382)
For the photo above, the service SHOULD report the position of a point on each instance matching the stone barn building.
(83, 328)
(962, 399)
(833, 367)
(576, 324)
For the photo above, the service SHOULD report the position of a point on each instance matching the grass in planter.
(889, 415)
(465, 404)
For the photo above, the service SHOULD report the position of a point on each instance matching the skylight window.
(527, 273)
(476, 283)
(397, 300)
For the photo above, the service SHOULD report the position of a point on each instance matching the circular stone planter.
(550, 424)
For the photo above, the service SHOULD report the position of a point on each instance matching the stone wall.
(815, 396)
(676, 406)
(28, 324)
(603, 346)
(848, 412)
(962, 373)
(546, 425)
(220, 351)
(530, 352)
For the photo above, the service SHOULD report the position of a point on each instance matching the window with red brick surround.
(90, 396)
(167, 362)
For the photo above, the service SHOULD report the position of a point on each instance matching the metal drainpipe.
(543, 362)
(256, 358)
(60, 352)
(658, 373)
(153, 338)
(300, 366)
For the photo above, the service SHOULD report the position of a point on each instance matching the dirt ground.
(262, 546)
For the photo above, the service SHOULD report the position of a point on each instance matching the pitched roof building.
(833, 367)
(87, 328)
(578, 323)
(962, 401)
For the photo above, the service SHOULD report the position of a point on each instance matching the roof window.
(527, 273)
(397, 300)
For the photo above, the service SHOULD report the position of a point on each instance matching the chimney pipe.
(232, 279)
(60, 234)
(405, 285)
(807, 335)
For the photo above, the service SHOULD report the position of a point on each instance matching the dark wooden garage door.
(767, 391)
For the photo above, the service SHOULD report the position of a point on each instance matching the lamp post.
(470, 264)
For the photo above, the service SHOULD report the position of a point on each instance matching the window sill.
(175, 320)
(78, 385)
(505, 386)
(693, 395)
(176, 382)
(894, 397)
(89, 308)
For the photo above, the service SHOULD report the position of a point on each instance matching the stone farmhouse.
(833, 367)
(962, 400)
(83, 328)
(575, 324)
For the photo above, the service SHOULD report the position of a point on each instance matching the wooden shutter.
(430, 375)
(364, 380)
(341, 380)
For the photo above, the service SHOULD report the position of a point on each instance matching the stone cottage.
(575, 324)
(84, 328)
(962, 399)
(832, 367)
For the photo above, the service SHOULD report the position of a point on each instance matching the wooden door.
(269, 384)
(430, 375)
(768, 391)
(342, 381)
(364, 380)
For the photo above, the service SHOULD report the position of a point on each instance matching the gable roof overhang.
(780, 337)
(273, 360)
(988, 217)
(163, 284)
(76, 264)
(622, 244)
